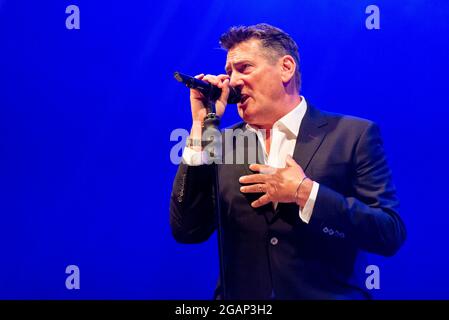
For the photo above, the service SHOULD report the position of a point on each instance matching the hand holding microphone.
(214, 88)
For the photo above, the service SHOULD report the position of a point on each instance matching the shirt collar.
(290, 122)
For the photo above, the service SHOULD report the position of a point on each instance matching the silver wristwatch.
(193, 143)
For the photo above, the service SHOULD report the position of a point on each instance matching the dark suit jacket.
(272, 253)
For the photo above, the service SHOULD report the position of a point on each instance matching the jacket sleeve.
(192, 218)
(369, 217)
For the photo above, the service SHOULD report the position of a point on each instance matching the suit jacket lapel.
(310, 137)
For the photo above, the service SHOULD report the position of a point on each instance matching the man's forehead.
(243, 51)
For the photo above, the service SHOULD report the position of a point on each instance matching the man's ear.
(288, 68)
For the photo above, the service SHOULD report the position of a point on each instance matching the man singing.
(296, 221)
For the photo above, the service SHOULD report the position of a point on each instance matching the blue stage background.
(86, 117)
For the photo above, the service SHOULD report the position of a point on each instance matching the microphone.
(208, 90)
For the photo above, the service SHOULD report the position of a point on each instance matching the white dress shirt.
(283, 140)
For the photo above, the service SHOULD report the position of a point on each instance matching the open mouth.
(244, 99)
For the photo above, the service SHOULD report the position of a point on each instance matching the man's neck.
(288, 107)
(285, 107)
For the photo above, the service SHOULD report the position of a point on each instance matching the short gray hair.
(270, 37)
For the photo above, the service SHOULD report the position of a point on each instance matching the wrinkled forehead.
(244, 50)
(249, 50)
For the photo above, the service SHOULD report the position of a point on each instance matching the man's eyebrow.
(236, 63)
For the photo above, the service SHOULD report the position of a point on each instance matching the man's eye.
(245, 66)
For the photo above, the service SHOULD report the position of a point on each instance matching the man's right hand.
(198, 103)
(197, 100)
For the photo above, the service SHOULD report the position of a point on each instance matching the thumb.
(290, 162)
(223, 100)
(224, 91)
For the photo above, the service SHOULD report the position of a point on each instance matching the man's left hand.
(278, 184)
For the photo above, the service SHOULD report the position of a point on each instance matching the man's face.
(259, 79)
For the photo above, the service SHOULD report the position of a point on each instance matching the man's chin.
(251, 121)
(248, 117)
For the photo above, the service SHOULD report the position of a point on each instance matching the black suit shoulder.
(348, 121)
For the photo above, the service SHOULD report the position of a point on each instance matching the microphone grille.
(178, 76)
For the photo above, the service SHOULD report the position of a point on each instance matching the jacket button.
(274, 241)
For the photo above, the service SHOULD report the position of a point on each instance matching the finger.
(262, 168)
(225, 90)
(253, 178)
(222, 82)
(211, 79)
(263, 200)
(222, 77)
(254, 188)
(291, 162)
(194, 93)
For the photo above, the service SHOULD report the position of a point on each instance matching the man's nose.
(235, 81)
